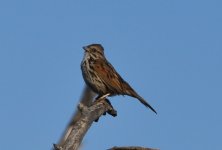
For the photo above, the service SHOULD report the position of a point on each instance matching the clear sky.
(169, 51)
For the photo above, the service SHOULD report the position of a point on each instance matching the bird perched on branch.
(101, 76)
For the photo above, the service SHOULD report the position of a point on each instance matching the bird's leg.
(102, 97)
(111, 111)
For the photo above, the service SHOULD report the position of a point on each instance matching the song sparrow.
(101, 76)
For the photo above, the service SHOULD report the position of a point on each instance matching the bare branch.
(131, 148)
(86, 99)
(88, 116)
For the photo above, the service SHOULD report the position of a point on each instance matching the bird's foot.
(111, 111)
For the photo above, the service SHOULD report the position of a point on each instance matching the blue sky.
(169, 51)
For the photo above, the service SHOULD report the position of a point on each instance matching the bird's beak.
(85, 48)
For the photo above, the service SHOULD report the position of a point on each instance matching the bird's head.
(95, 51)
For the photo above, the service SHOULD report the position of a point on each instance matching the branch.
(131, 148)
(88, 115)
(86, 99)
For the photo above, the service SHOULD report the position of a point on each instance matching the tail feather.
(146, 104)
(128, 90)
(143, 101)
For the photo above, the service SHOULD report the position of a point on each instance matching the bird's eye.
(94, 50)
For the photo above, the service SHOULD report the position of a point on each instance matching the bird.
(102, 78)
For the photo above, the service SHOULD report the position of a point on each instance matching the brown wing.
(109, 76)
(114, 83)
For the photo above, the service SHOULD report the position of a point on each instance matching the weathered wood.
(131, 148)
(88, 116)
(86, 99)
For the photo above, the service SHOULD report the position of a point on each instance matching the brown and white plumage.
(101, 76)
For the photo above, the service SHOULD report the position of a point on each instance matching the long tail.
(128, 90)
(132, 93)
(145, 103)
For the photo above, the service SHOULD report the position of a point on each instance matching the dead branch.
(88, 116)
(86, 99)
(131, 148)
